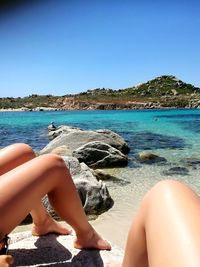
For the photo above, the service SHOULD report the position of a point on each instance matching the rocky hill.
(161, 92)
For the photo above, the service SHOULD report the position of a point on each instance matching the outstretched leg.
(29, 182)
(166, 229)
(16, 155)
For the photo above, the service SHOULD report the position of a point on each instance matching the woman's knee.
(162, 190)
(167, 185)
(170, 186)
(54, 162)
(21, 149)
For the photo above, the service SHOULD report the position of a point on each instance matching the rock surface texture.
(57, 251)
(100, 155)
(74, 138)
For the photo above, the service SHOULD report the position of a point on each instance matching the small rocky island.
(165, 91)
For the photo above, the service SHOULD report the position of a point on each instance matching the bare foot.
(91, 240)
(49, 226)
(6, 260)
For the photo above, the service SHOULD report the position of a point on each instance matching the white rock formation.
(56, 251)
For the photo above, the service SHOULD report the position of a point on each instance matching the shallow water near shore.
(173, 134)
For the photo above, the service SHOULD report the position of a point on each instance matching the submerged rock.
(149, 158)
(150, 141)
(191, 125)
(191, 162)
(176, 171)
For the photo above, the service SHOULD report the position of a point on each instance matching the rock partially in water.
(76, 138)
(118, 142)
(57, 250)
(176, 171)
(150, 158)
(100, 155)
(53, 132)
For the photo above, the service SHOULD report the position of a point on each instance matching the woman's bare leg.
(166, 229)
(44, 224)
(29, 182)
(13, 156)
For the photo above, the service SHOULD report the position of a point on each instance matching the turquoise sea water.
(173, 134)
(146, 129)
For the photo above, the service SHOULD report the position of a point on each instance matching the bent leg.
(46, 174)
(166, 229)
(14, 155)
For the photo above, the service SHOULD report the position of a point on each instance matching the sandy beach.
(114, 224)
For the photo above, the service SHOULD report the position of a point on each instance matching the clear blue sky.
(61, 46)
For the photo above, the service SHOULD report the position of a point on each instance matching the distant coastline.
(41, 109)
(162, 92)
(28, 110)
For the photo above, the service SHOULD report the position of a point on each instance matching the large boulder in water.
(76, 138)
(100, 155)
(53, 132)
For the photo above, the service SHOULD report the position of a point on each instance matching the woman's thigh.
(23, 186)
(14, 155)
(172, 225)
